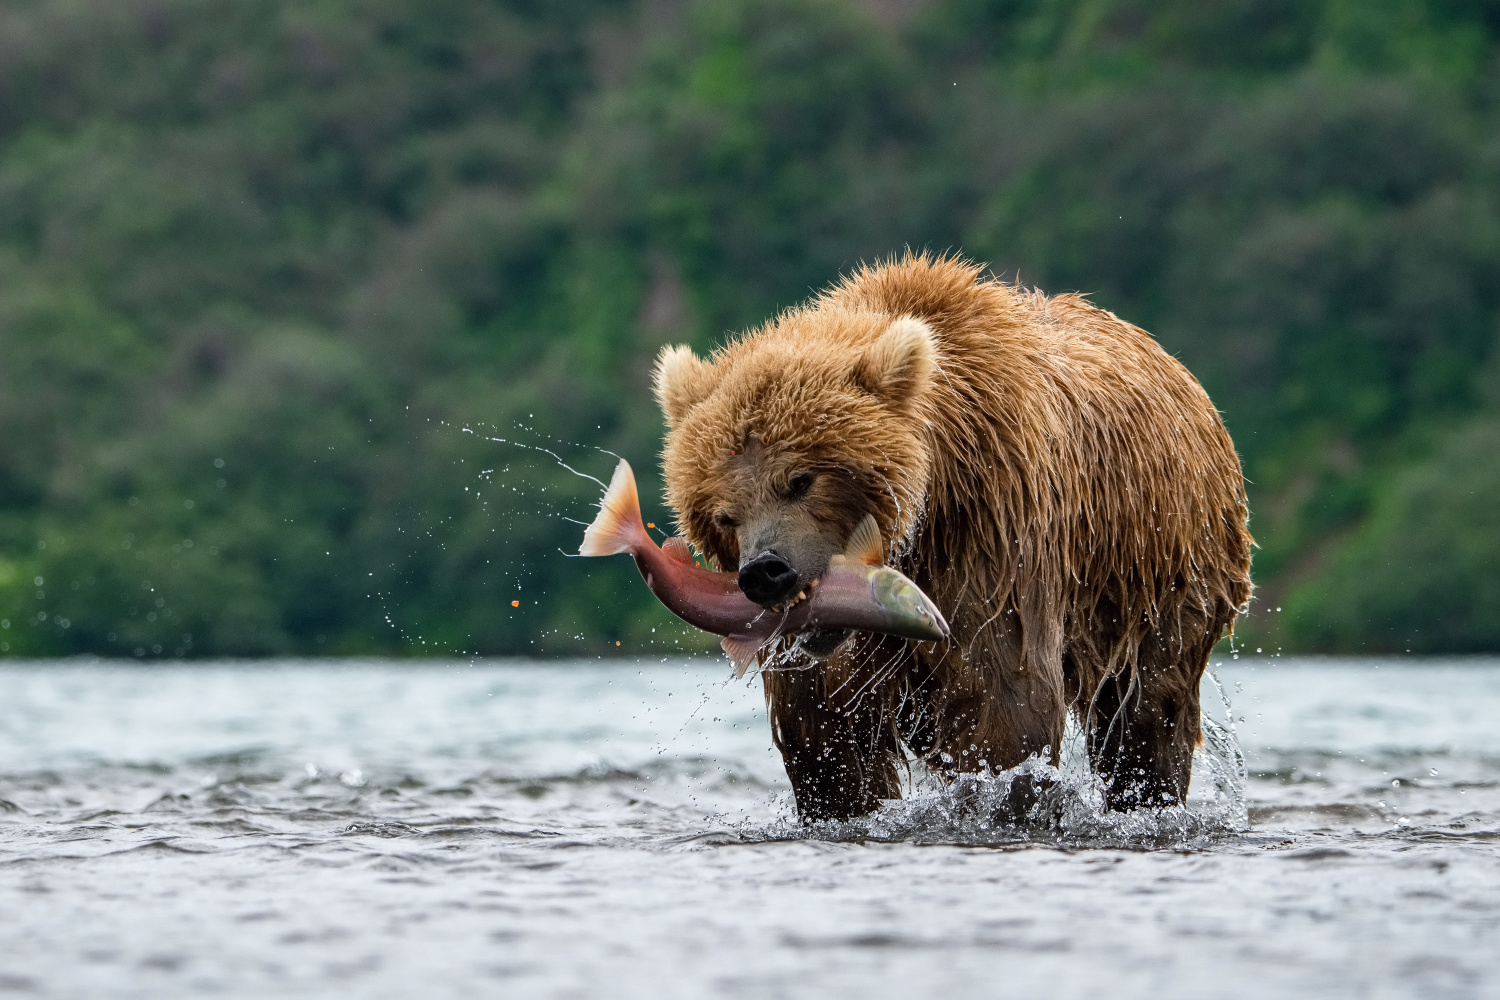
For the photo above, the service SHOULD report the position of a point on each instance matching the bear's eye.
(724, 520)
(798, 487)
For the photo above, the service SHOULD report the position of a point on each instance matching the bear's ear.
(682, 381)
(898, 367)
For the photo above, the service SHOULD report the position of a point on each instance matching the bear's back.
(1099, 456)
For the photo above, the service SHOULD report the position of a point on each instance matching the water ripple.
(563, 830)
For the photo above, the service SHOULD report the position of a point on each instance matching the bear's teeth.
(789, 605)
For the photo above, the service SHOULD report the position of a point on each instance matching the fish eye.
(724, 520)
(798, 487)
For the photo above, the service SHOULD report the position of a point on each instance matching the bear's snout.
(768, 579)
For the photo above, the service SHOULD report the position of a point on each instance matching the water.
(576, 830)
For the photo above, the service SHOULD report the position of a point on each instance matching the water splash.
(1038, 803)
(1220, 760)
(542, 449)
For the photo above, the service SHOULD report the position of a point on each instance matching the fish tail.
(618, 527)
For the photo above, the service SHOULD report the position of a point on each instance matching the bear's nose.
(768, 579)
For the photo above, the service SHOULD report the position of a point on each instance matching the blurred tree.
(1419, 575)
(275, 276)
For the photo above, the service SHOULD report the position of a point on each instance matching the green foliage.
(1420, 575)
(274, 276)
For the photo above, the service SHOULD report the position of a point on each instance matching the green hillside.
(274, 275)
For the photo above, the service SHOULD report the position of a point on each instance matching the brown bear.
(1060, 486)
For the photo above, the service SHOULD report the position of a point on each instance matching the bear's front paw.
(1032, 799)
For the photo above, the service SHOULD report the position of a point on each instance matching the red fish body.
(856, 592)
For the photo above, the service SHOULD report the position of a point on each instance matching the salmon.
(856, 592)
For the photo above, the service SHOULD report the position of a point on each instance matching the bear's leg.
(841, 758)
(1146, 721)
(1132, 746)
(986, 731)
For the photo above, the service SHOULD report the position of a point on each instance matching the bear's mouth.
(800, 596)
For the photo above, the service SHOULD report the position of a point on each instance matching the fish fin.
(677, 548)
(864, 543)
(741, 650)
(618, 526)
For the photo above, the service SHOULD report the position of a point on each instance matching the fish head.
(783, 442)
(859, 593)
(909, 611)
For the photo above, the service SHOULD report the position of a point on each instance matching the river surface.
(358, 829)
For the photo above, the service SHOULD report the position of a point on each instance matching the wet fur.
(1061, 487)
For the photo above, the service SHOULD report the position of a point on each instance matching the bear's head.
(781, 443)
